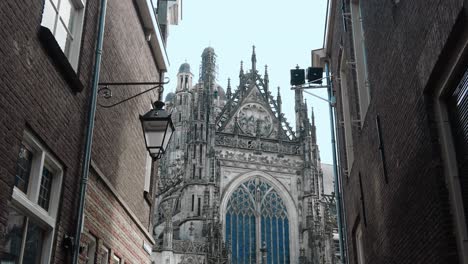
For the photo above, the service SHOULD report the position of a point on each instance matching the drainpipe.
(89, 132)
(335, 167)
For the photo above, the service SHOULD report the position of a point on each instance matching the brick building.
(48, 56)
(399, 72)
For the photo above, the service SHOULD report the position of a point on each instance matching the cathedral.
(238, 184)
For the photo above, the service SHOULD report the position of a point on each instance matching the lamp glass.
(157, 128)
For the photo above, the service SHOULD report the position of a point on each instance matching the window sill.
(60, 60)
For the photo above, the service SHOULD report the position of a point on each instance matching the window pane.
(48, 16)
(91, 251)
(23, 168)
(33, 246)
(44, 191)
(11, 247)
(105, 256)
(66, 13)
(61, 35)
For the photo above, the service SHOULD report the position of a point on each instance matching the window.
(201, 132)
(199, 207)
(148, 174)
(360, 58)
(64, 18)
(346, 110)
(201, 152)
(193, 171)
(199, 173)
(105, 256)
(193, 202)
(359, 245)
(256, 211)
(450, 106)
(116, 260)
(457, 106)
(91, 254)
(34, 204)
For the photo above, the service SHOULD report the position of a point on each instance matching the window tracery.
(256, 212)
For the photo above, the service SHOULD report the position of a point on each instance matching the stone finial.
(278, 99)
(313, 117)
(228, 90)
(254, 59)
(241, 71)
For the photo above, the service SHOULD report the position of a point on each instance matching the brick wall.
(35, 96)
(114, 229)
(119, 147)
(408, 218)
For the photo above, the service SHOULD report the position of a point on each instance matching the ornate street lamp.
(158, 129)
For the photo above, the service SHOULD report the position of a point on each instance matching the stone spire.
(254, 60)
(313, 117)
(280, 115)
(313, 128)
(228, 90)
(266, 79)
(306, 119)
(241, 71)
(279, 101)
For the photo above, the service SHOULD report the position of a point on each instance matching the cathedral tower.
(237, 180)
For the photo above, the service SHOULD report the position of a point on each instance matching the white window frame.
(105, 255)
(27, 203)
(360, 58)
(116, 258)
(148, 167)
(92, 247)
(359, 245)
(78, 21)
(347, 120)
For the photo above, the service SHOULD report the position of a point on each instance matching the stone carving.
(251, 114)
(243, 142)
(255, 160)
(187, 246)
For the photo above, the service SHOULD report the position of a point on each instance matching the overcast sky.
(283, 32)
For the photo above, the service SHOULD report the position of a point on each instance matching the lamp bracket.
(105, 90)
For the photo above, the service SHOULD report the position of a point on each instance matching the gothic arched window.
(257, 216)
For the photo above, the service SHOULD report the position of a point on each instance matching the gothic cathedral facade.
(238, 184)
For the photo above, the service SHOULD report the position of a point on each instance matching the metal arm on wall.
(105, 90)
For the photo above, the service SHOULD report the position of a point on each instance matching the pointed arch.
(282, 192)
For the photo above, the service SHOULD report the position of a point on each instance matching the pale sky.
(283, 32)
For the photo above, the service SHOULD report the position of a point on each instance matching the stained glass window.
(255, 212)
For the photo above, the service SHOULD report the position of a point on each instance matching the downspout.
(335, 168)
(89, 131)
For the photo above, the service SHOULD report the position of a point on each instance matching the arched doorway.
(256, 217)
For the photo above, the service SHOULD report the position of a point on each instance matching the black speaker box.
(314, 75)
(297, 76)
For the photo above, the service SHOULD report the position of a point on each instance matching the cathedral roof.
(253, 95)
(221, 93)
(169, 97)
(184, 68)
(208, 50)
